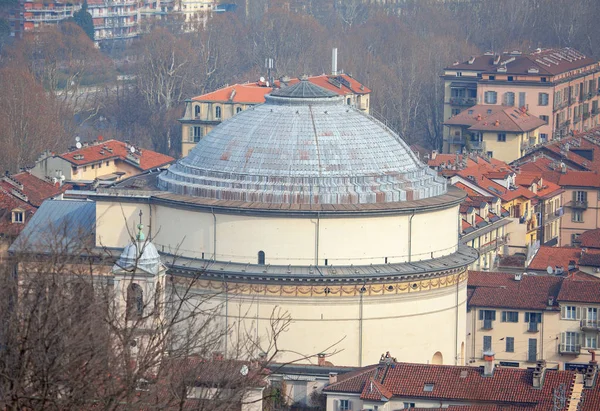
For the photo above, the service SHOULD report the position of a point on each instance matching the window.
(510, 344)
(487, 342)
(217, 112)
(575, 240)
(577, 216)
(261, 257)
(197, 111)
(544, 79)
(591, 341)
(543, 99)
(492, 78)
(509, 99)
(107, 163)
(532, 350)
(510, 316)
(18, 216)
(470, 111)
(408, 405)
(459, 74)
(487, 315)
(569, 312)
(571, 341)
(135, 302)
(543, 137)
(348, 101)
(93, 166)
(510, 78)
(580, 196)
(533, 317)
(428, 387)
(456, 111)
(490, 154)
(100, 164)
(345, 405)
(195, 134)
(544, 119)
(238, 110)
(522, 99)
(491, 97)
(502, 137)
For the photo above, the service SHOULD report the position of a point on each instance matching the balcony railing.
(582, 204)
(569, 348)
(455, 140)
(492, 245)
(532, 327)
(587, 324)
(463, 101)
(476, 145)
(487, 324)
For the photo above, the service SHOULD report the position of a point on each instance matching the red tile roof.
(148, 159)
(507, 386)
(254, 93)
(9, 202)
(501, 290)
(590, 258)
(590, 238)
(373, 390)
(36, 190)
(580, 179)
(554, 256)
(579, 291)
(484, 117)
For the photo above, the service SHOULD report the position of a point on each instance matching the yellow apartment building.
(203, 113)
(525, 318)
(504, 133)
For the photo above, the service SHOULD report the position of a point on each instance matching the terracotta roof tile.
(148, 159)
(554, 256)
(501, 290)
(590, 238)
(36, 190)
(590, 258)
(580, 179)
(579, 291)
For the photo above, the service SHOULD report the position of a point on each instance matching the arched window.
(197, 111)
(438, 358)
(237, 110)
(135, 302)
(218, 112)
(261, 257)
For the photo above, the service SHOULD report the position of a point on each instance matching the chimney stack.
(334, 70)
(538, 374)
(332, 377)
(589, 378)
(321, 359)
(488, 367)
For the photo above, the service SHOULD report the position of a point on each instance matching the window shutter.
(481, 314)
(494, 315)
(578, 313)
(562, 338)
(563, 309)
(526, 317)
(350, 405)
(336, 405)
(503, 316)
(577, 338)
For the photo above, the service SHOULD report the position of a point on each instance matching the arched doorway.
(438, 358)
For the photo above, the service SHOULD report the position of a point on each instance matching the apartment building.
(560, 86)
(203, 113)
(98, 163)
(390, 385)
(531, 202)
(501, 132)
(30, 15)
(114, 19)
(526, 318)
(483, 227)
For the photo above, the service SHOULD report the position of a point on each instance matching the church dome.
(303, 146)
(139, 255)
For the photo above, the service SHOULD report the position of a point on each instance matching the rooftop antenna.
(270, 66)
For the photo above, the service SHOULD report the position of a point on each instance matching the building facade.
(560, 86)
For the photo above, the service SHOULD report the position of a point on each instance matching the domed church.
(310, 206)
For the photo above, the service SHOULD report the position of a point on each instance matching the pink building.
(560, 86)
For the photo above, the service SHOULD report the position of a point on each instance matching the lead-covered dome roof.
(302, 146)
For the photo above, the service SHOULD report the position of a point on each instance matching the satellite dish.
(267, 84)
(262, 79)
(549, 269)
(244, 370)
(77, 138)
(132, 149)
(78, 144)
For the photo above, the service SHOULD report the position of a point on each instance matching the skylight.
(428, 388)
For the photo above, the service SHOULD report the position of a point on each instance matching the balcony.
(455, 140)
(463, 101)
(476, 145)
(492, 245)
(532, 327)
(579, 204)
(572, 349)
(589, 325)
(487, 324)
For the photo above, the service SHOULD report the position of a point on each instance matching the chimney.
(538, 374)
(334, 70)
(488, 367)
(550, 300)
(589, 378)
(217, 356)
(321, 359)
(332, 377)
(471, 60)
(434, 154)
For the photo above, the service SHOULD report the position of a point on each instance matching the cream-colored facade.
(54, 167)
(581, 213)
(345, 318)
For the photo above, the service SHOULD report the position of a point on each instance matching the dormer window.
(18, 216)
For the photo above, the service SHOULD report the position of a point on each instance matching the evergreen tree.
(84, 20)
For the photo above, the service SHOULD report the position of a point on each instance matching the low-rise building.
(501, 132)
(526, 318)
(391, 385)
(98, 163)
(203, 113)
